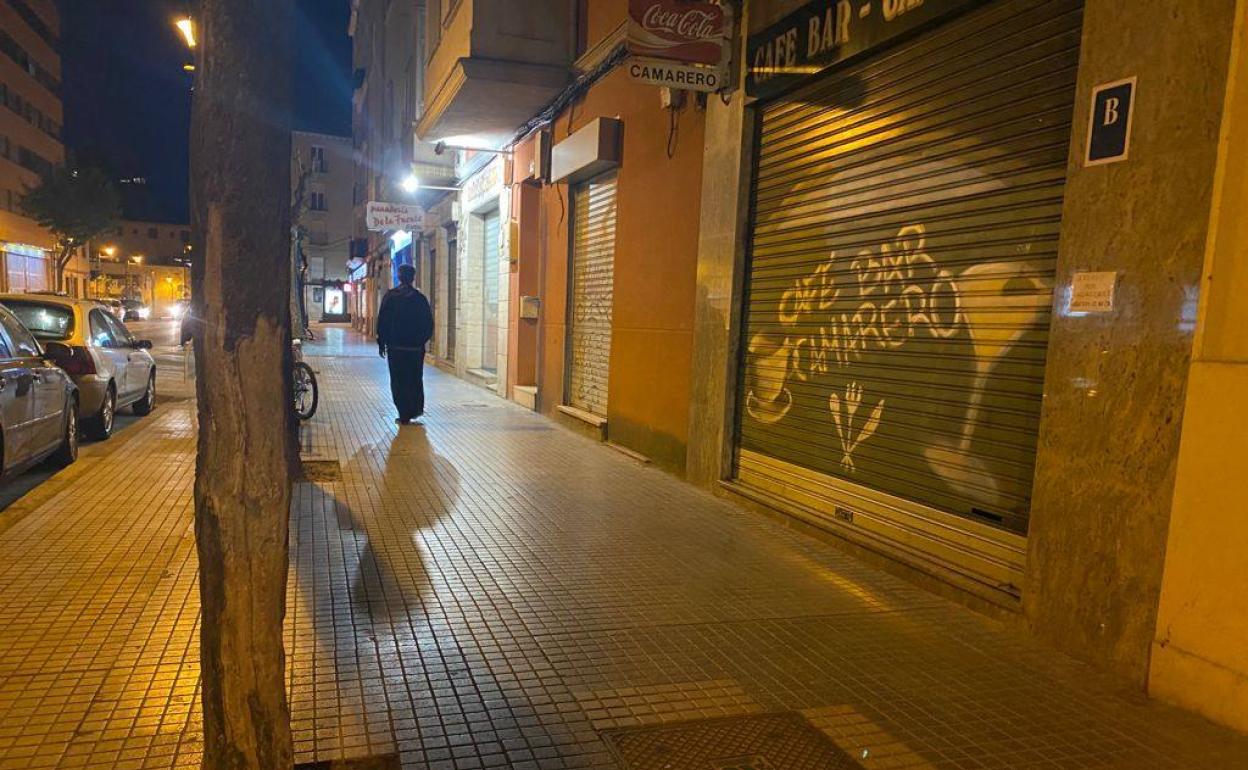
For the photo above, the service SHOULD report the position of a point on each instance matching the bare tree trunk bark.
(240, 166)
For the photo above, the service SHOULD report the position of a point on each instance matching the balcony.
(493, 65)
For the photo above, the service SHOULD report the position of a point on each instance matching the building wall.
(655, 263)
(1115, 383)
(478, 198)
(155, 241)
(526, 201)
(36, 130)
(1199, 652)
(327, 243)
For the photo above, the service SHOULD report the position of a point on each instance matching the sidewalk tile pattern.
(490, 591)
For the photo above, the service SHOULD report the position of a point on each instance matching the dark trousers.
(407, 381)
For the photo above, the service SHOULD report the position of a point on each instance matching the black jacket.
(404, 320)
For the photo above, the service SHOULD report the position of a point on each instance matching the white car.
(111, 368)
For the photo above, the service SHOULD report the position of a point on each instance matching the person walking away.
(404, 328)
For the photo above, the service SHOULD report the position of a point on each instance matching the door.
(17, 402)
(114, 354)
(907, 210)
(16, 406)
(138, 362)
(593, 280)
(489, 290)
(46, 386)
(452, 296)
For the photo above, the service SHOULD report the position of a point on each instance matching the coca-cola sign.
(678, 30)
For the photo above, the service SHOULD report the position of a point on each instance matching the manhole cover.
(760, 742)
(322, 470)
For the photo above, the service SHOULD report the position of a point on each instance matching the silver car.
(111, 368)
(38, 403)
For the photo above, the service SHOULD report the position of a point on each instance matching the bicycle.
(305, 396)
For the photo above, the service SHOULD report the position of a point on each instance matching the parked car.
(134, 310)
(38, 402)
(111, 368)
(114, 305)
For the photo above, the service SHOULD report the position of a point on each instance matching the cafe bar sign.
(826, 32)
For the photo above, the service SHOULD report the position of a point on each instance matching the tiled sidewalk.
(491, 591)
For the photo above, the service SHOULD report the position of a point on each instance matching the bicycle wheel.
(306, 396)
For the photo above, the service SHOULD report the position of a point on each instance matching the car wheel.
(100, 424)
(145, 405)
(67, 453)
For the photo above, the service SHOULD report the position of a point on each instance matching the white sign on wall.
(1092, 292)
(688, 77)
(380, 217)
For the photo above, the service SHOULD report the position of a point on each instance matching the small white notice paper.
(1092, 292)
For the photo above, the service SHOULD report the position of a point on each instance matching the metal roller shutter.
(593, 278)
(490, 279)
(906, 217)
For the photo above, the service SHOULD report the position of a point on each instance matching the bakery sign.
(380, 217)
(823, 33)
(687, 31)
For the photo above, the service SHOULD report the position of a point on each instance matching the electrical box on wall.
(672, 98)
(539, 166)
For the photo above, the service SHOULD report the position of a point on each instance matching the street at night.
(623, 384)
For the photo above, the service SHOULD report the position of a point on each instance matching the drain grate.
(322, 470)
(757, 742)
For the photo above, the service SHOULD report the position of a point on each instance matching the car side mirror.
(143, 344)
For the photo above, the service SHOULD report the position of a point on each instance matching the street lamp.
(109, 251)
(186, 26)
(411, 183)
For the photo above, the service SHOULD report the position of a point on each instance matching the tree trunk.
(240, 167)
(62, 260)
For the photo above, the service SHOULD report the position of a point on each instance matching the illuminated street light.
(188, 67)
(110, 251)
(411, 183)
(186, 26)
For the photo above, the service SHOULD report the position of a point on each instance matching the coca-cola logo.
(687, 23)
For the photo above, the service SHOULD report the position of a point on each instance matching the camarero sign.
(677, 30)
(688, 77)
(380, 217)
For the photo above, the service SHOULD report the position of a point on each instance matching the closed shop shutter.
(906, 218)
(490, 282)
(593, 277)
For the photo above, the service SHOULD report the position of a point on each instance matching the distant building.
(390, 59)
(30, 143)
(147, 261)
(324, 220)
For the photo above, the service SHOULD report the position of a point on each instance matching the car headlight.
(145, 313)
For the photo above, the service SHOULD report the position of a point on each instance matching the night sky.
(127, 100)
